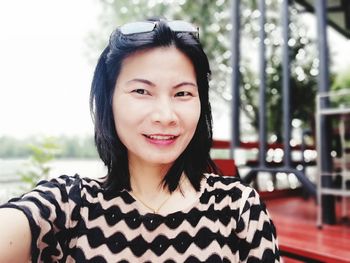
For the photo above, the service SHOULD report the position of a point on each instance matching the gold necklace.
(154, 210)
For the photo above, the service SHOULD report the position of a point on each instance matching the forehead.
(157, 63)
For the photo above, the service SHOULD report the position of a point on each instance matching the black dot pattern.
(74, 220)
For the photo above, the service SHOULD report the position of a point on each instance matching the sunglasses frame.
(178, 26)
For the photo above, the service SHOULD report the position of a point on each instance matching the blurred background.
(48, 50)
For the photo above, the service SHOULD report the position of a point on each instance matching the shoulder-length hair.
(195, 160)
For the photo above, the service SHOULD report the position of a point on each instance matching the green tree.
(77, 147)
(342, 83)
(12, 148)
(38, 166)
(303, 67)
(70, 147)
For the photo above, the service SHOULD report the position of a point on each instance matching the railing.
(328, 110)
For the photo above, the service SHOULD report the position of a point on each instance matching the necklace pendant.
(155, 211)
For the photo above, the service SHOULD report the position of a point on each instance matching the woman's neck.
(146, 184)
(146, 179)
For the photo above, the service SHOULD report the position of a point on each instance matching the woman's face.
(156, 105)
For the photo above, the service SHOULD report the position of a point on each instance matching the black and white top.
(74, 219)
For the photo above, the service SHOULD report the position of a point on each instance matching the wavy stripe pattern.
(73, 220)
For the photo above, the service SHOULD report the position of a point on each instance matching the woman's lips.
(161, 139)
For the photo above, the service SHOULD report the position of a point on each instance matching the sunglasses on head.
(148, 26)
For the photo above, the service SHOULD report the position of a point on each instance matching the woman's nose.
(164, 112)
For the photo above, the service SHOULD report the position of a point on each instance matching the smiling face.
(156, 105)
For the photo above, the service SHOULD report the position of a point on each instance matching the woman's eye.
(141, 91)
(183, 94)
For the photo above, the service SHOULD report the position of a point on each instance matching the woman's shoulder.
(228, 183)
(70, 181)
(70, 186)
(229, 186)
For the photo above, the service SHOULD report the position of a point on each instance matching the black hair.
(195, 160)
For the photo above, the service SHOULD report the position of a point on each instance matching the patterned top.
(76, 220)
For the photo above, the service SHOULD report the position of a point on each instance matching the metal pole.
(286, 85)
(262, 88)
(325, 164)
(235, 62)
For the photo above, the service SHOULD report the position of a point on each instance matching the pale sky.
(44, 73)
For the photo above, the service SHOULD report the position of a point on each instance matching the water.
(10, 181)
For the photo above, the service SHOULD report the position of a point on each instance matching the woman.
(160, 200)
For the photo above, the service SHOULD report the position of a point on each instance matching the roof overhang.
(338, 14)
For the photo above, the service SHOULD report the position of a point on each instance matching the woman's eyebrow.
(185, 83)
(145, 81)
(150, 83)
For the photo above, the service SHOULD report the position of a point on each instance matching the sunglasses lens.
(148, 26)
(137, 27)
(182, 26)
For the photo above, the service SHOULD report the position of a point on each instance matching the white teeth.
(161, 137)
